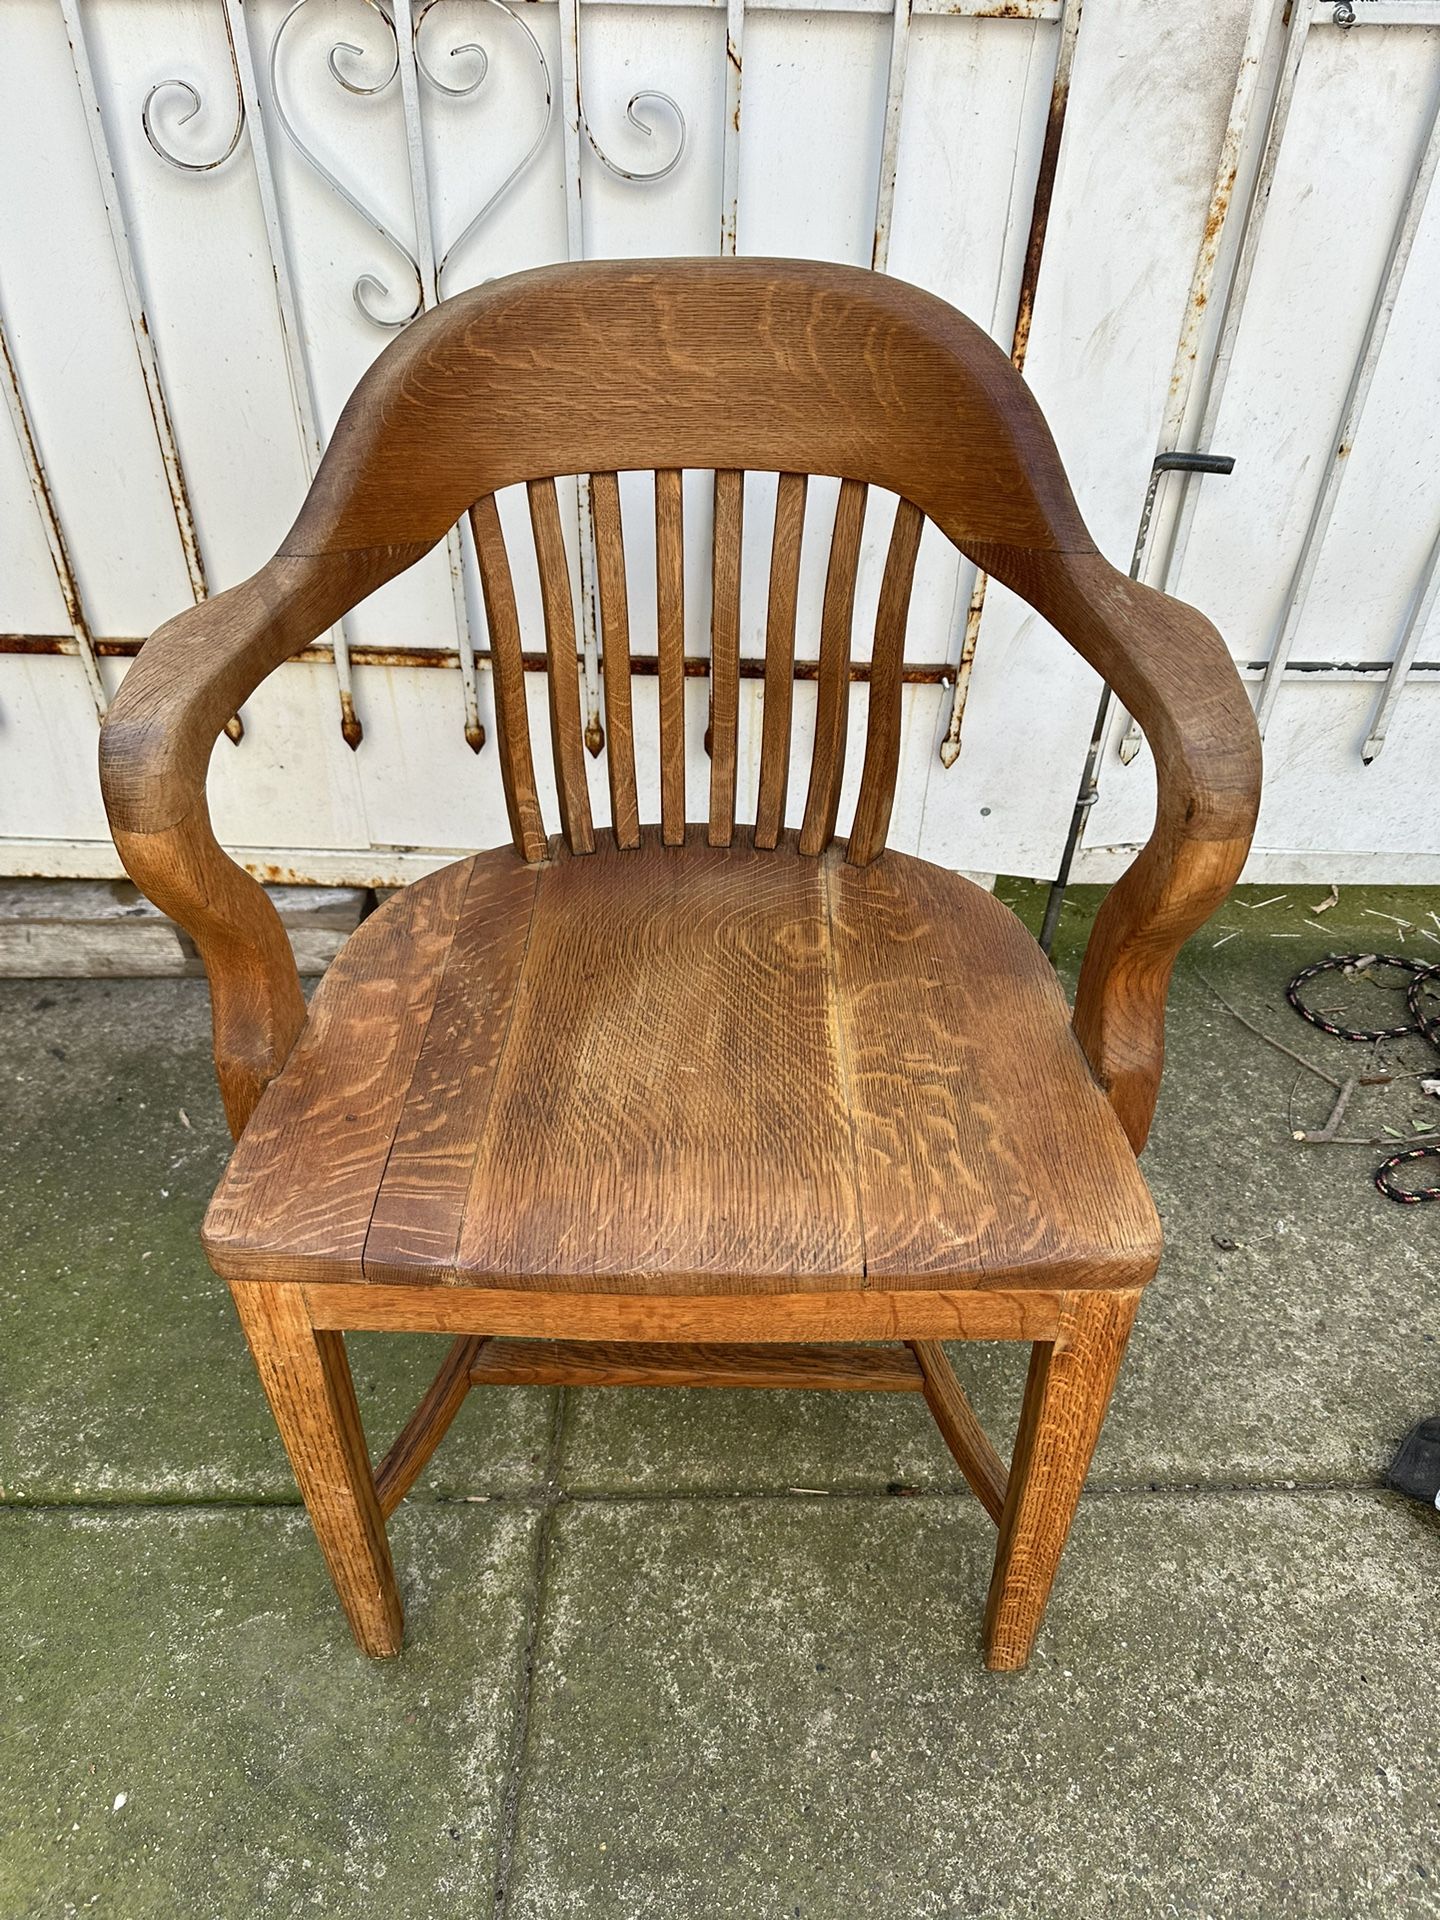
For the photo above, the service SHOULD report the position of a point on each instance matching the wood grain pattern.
(428, 1425)
(680, 1093)
(690, 1069)
(845, 373)
(982, 1143)
(615, 636)
(962, 1432)
(307, 1381)
(563, 675)
(970, 1314)
(832, 692)
(1172, 670)
(1066, 1395)
(415, 1215)
(592, 1363)
(725, 653)
(767, 365)
(316, 1148)
(634, 1135)
(881, 769)
(785, 550)
(670, 646)
(517, 767)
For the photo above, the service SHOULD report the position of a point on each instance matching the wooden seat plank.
(982, 1142)
(691, 1070)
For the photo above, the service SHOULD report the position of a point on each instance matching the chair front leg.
(306, 1378)
(1066, 1395)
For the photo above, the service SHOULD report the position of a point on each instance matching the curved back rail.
(787, 367)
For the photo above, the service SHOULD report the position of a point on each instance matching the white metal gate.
(214, 212)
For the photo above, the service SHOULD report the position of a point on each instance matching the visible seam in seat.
(843, 1061)
(539, 870)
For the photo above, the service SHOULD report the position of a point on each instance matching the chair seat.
(687, 1070)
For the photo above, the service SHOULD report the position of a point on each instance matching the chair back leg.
(1066, 1394)
(306, 1378)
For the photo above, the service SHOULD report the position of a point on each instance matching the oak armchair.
(718, 1104)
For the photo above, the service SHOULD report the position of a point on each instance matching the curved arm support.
(1174, 673)
(154, 751)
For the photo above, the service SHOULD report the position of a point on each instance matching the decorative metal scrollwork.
(367, 283)
(642, 175)
(464, 90)
(367, 69)
(184, 88)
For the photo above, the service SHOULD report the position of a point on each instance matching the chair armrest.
(155, 746)
(1174, 673)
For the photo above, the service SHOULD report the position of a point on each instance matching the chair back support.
(789, 368)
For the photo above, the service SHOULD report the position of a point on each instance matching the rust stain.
(351, 730)
(1219, 208)
(64, 567)
(1040, 217)
(939, 673)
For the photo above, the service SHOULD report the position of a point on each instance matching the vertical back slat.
(725, 653)
(615, 633)
(780, 657)
(561, 656)
(670, 636)
(887, 662)
(517, 769)
(832, 707)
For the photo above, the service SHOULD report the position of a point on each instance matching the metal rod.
(1422, 605)
(140, 331)
(930, 673)
(1183, 375)
(890, 143)
(419, 177)
(730, 139)
(1084, 801)
(297, 365)
(1020, 337)
(135, 306)
(573, 120)
(60, 559)
(1237, 285)
(1257, 201)
(1402, 241)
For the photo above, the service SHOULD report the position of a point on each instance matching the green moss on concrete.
(189, 1731)
(123, 1373)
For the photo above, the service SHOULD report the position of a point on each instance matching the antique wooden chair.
(720, 1105)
